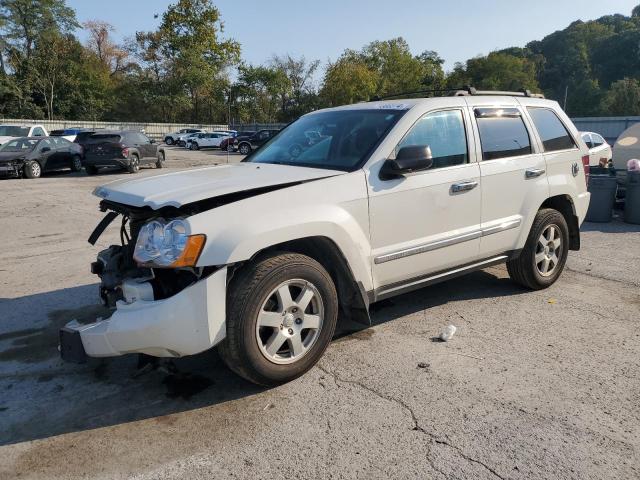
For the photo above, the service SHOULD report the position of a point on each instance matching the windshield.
(13, 131)
(339, 140)
(19, 145)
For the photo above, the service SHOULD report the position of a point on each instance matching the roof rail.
(461, 91)
(468, 90)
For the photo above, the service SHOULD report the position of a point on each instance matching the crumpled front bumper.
(187, 323)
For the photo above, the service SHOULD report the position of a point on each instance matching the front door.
(428, 221)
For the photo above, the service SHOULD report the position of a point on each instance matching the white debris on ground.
(448, 333)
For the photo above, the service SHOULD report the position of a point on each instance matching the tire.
(160, 160)
(195, 146)
(168, 141)
(32, 169)
(230, 148)
(76, 163)
(244, 148)
(134, 164)
(540, 264)
(91, 170)
(246, 351)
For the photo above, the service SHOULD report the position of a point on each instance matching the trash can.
(603, 197)
(632, 198)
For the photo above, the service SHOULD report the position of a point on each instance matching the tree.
(113, 57)
(496, 71)
(348, 80)
(25, 20)
(195, 55)
(623, 98)
(297, 93)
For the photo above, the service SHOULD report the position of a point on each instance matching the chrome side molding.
(447, 242)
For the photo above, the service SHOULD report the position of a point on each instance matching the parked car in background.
(29, 157)
(126, 149)
(246, 144)
(182, 140)
(70, 133)
(207, 140)
(7, 132)
(228, 143)
(172, 138)
(600, 152)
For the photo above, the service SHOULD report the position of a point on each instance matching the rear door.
(46, 151)
(513, 173)
(63, 152)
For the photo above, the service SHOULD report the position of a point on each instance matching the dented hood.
(181, 188)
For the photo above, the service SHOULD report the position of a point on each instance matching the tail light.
(125, 152)
(585, 164)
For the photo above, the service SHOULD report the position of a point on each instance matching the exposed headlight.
(162, 244)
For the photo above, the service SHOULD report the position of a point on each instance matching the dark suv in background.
(127, 149)
(245, 144)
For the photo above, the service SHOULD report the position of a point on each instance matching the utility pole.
(566, 93)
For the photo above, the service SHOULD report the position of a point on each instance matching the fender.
(334, 207)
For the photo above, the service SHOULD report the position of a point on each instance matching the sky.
(323, 29)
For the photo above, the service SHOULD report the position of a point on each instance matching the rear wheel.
(160, 160)
(168, 141)
(230, 148)
(195, 146)
(32, 169)
(545, 253)
(76, 163)
(281, 316)
(244, 148)
(134, 164)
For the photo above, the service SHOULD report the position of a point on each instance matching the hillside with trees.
(188, 70)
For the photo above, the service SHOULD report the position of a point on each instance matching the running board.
(420, 282)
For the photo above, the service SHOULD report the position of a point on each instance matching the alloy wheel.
(548, 250)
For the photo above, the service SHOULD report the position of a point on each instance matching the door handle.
(463, 186)
(533, 172)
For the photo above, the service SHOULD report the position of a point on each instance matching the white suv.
(262, 257)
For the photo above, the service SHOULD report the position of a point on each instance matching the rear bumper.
(106, 162)
(187, 323)
(582, 205)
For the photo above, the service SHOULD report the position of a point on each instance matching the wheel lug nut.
(281, 327)
(294, 310)
(298, 321)
(291, 331)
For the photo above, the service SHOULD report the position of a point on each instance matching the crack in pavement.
(416, 425)
(601, 277)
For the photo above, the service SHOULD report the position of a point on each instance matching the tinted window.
(445, 134)
(61, 142)
(46, 143)
(597, 140)
(20, 144)
(502, 133)
(551, 130)
(587, 139)
(104, 138)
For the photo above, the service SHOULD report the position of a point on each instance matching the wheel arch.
(352, 296)
(565, 205)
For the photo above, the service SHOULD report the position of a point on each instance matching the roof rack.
(462, 91)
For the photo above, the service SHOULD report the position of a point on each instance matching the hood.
(181, 188)
(9, 156)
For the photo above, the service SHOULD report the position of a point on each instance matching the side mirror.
(408, 160)
(45, 149)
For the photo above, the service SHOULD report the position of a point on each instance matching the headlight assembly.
(167, 245)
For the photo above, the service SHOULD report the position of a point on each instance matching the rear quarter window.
(502, 133)
(552, 131)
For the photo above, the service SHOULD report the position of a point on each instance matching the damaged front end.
(164, 312)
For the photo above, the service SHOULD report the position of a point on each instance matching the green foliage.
(497, 71)
(623, 98)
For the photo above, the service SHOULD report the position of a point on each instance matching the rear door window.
(502, 133)
(587, 139)
(597, 140)
(552, 132)
(104, 138)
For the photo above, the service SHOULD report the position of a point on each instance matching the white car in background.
(171, 138)
(7, 132)
(600, 152)
(207, 140)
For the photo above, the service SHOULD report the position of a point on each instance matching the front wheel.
(168, 141)
(230, 148)
(160, 160)
(281, 315)
(32, 169)
(545, 253)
